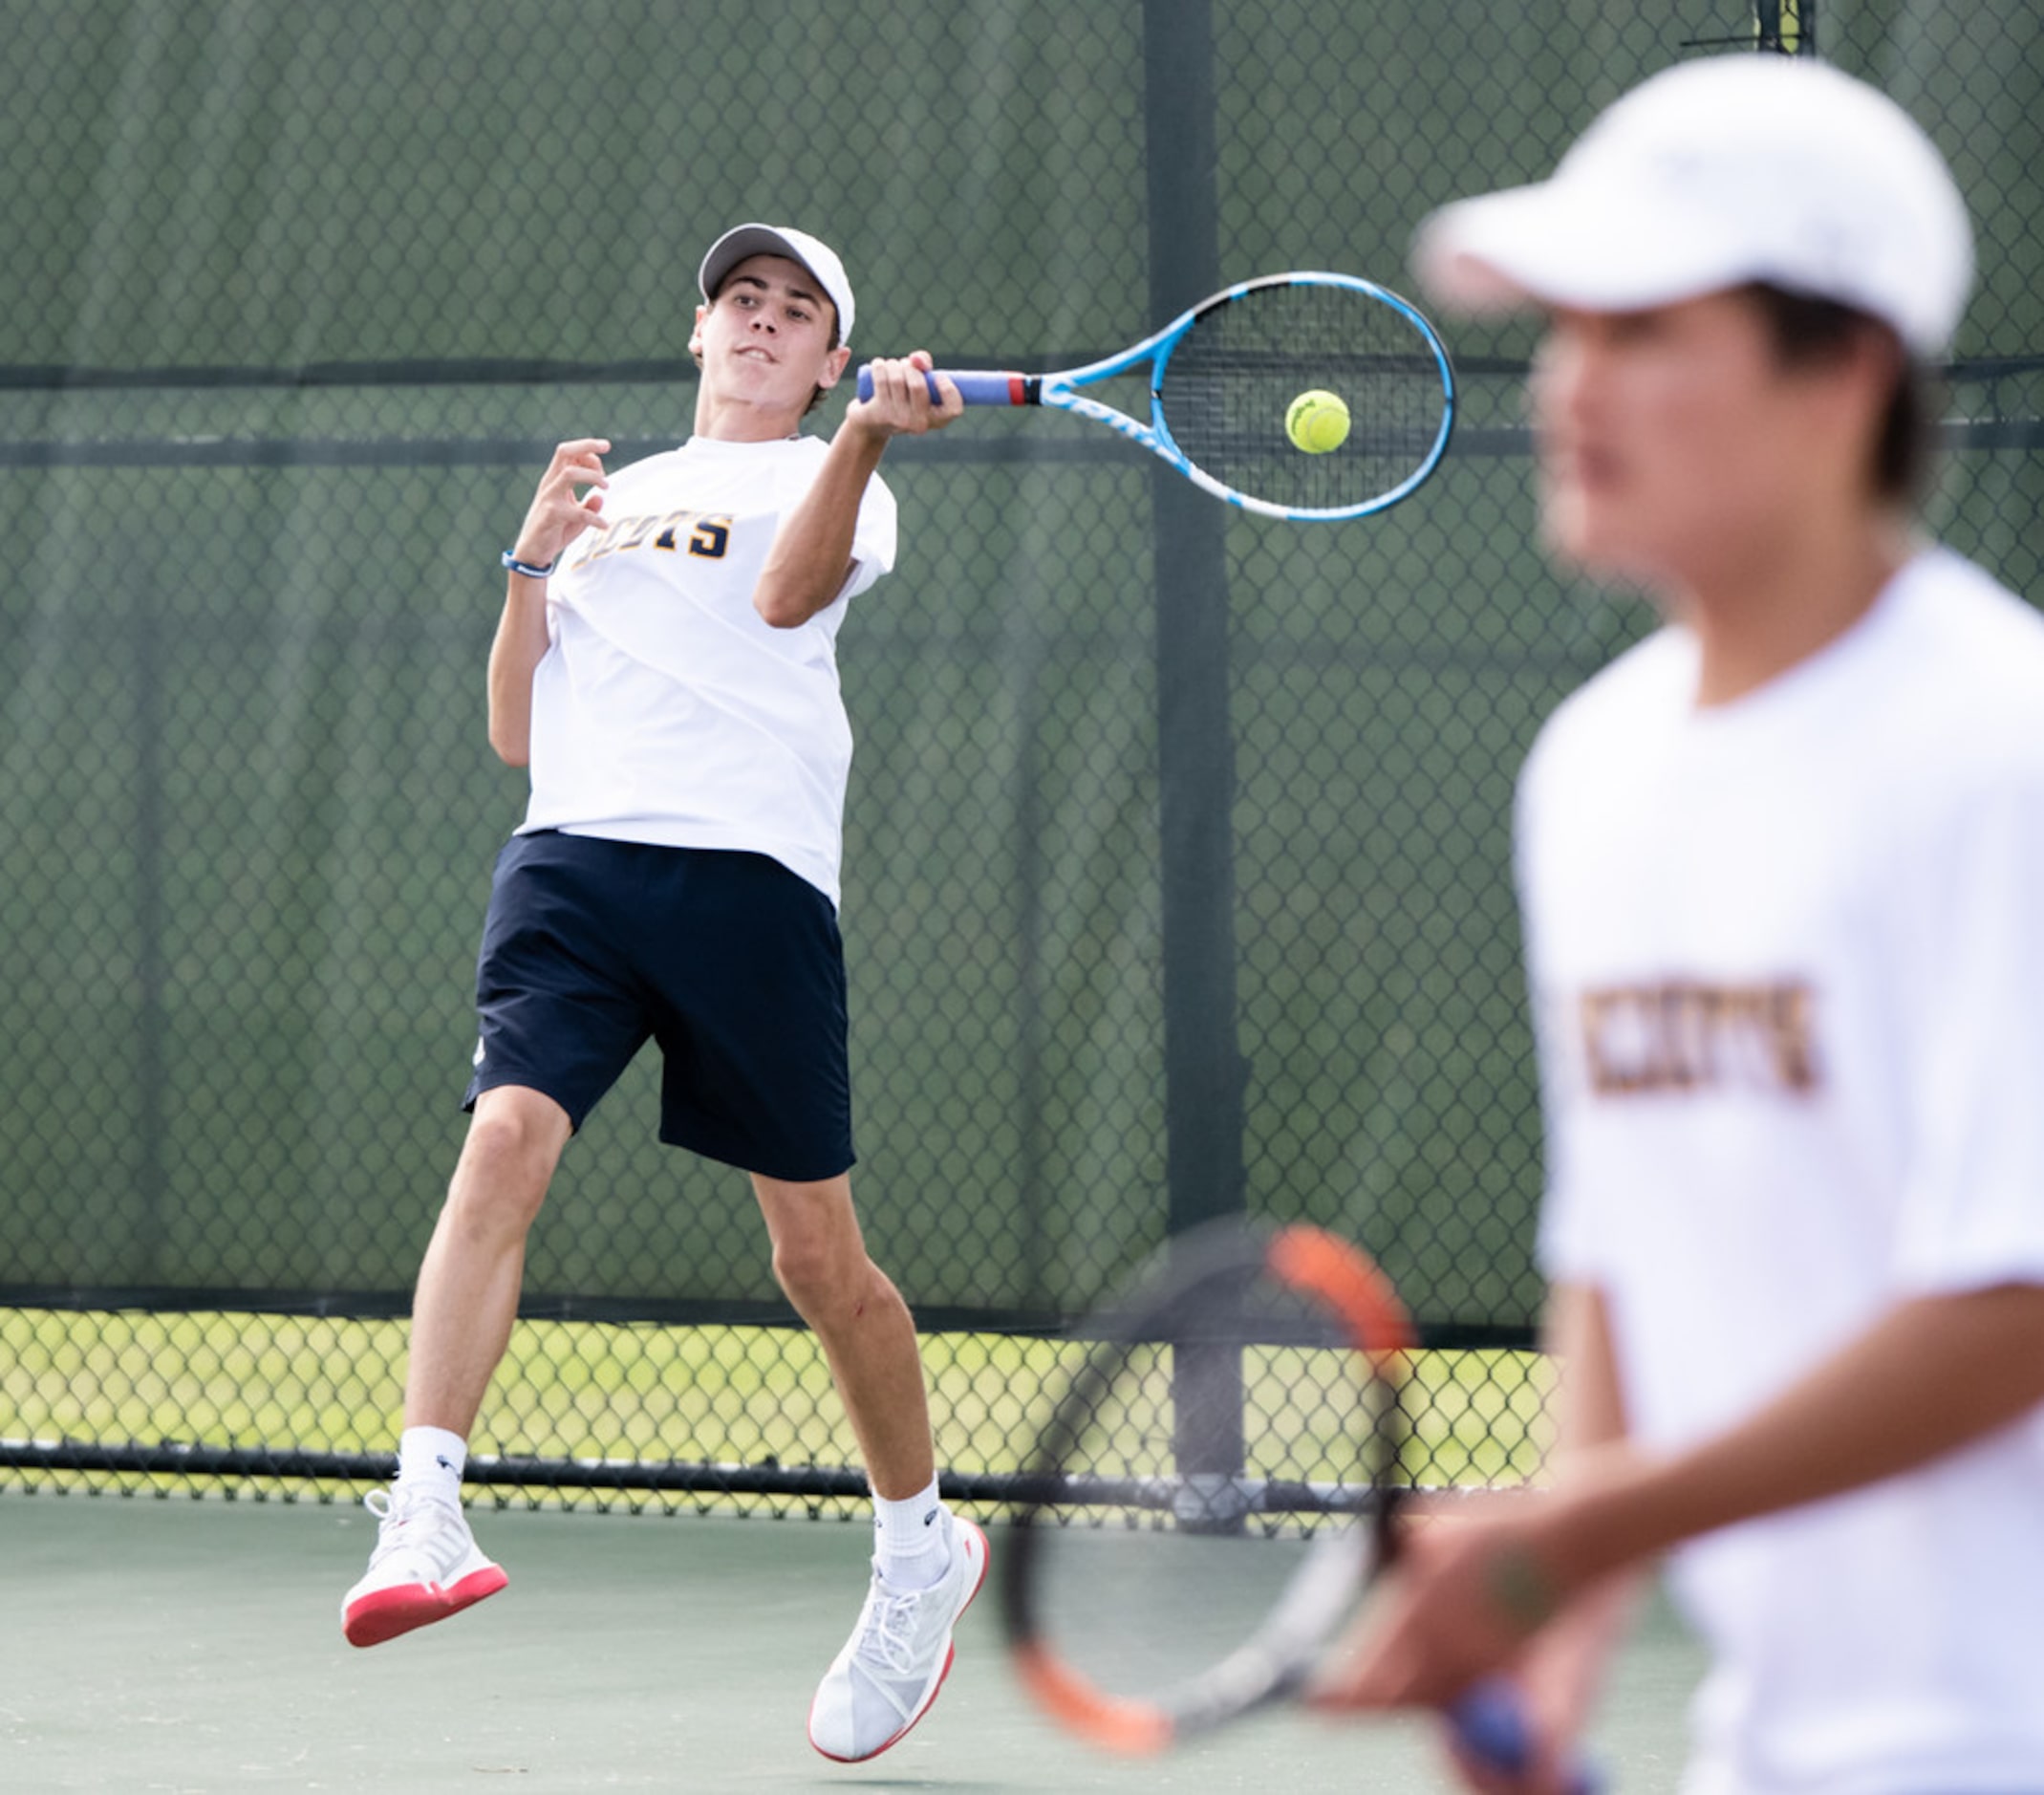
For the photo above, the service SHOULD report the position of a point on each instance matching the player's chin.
(757, 377)
(1566, 533)
(1584, 534)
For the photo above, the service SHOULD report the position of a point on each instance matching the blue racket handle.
(976, 386)
(1489, 1725)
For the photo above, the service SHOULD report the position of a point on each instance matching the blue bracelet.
(511, 561)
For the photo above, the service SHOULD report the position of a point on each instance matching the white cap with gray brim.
(797, 246)
(1715, 174)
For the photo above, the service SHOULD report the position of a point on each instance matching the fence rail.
(1177, 867)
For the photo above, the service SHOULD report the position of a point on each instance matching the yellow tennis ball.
(1316, 421)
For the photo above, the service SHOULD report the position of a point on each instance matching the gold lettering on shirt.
(704, 535)
(1684, 1035)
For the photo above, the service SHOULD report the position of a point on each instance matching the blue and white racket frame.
(1060, 391)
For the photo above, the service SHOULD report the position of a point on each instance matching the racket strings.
(1180, 1492)
(1232, 378)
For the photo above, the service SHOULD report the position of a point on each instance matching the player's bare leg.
(426, 1564)
(862, 1324)
(467, 1293)
(928, 1565)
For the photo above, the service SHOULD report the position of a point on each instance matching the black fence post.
(1204, 1072)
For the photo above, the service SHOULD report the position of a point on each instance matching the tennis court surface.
(193, 1646)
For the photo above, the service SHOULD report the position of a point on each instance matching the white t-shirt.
(666, 709)
(1788, 968)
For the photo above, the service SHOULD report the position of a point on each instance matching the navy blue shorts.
(729, 961)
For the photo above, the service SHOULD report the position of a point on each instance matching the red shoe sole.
(385, 1614)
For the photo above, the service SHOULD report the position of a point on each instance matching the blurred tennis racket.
(1137, 1612)
(1222, 378)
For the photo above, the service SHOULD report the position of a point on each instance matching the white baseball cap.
(797, 246)
(1712, 174)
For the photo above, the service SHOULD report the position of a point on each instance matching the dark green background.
(293, 302)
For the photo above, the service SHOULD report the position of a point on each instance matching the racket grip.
(1489, 1725)
(977, 386)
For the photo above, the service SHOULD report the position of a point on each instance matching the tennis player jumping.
(666, 666)
(1782, 871)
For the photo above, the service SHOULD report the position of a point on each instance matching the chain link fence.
(1176, 862)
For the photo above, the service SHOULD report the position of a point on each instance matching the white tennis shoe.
(897, 1657)
(427, 1566)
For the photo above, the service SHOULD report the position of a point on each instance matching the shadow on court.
(195, 1646)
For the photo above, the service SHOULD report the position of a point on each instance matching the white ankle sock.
(911, 1544)
(432, 1459)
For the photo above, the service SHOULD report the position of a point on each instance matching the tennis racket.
(1223, 376)
(1142, 1608)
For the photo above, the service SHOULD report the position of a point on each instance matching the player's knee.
(507, 1164)
(826, 1283)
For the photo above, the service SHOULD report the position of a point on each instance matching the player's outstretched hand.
(1458, 1611)
(902, 403)
(1435, 1622)
(1456, 1607)
(560, 512)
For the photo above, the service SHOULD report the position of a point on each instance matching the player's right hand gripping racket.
(1148, 1590)
(1223, 376)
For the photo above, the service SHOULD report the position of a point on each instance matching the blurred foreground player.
(1782, 872)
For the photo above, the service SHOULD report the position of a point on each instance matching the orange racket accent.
(1347, 1280)
(1130, 1727)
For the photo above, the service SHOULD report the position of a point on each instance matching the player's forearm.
(1932, 1376)
(519, 646)
(811, 555)
(1589, 1409)
(1590, 1405)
